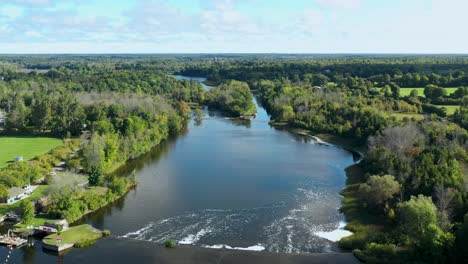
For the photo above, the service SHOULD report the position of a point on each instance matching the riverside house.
(16, 194)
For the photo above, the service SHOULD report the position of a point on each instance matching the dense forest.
(109, 117)
(406, 201)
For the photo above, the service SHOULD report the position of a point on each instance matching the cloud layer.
(311, 26)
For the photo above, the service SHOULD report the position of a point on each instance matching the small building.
(2, 118)
(15, 194)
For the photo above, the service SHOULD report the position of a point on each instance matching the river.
(221, 183)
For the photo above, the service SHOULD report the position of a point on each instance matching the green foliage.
(85, 243)
(420, 228)
(233, 98)
(95, 175)
(27, 212)
(379, 189)
(170, 244)
(461, 117)
(118, 185)
(378, 253)
(328, 109)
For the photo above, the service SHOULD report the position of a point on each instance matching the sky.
(233, 26)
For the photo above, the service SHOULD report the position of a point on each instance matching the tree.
(432, 92)
(419, 225)
(3, 191)
(416, 215)
(378, 190)
(27, 212)
(414, 93)
(41, 114)
(395, 90)
(444, 198)
(118, 185)
(198, 116)
(95, 175)
(18, 117)
(68, 115)
(233, 97)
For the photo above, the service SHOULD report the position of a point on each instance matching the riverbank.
(352, 145)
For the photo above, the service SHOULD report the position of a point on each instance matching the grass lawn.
(28, 147)
(407, 91)
(450, 108)
(38, 220)
(74, 235)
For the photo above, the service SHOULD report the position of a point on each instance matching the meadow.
(28, 147)
(450, 108)
(407, 91)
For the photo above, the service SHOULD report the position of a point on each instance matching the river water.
(222, 183)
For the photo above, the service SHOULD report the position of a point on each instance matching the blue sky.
(230, 26)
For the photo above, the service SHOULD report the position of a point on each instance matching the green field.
(28, 147)
(407, 91)
(450, 108)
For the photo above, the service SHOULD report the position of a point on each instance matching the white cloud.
(33, 34)
(338, 4)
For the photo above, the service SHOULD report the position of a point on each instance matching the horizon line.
(234, 53)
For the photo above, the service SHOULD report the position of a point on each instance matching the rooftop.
(15, 191)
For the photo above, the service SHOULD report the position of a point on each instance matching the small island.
(77, 236)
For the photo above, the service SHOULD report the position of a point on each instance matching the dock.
(11, 239)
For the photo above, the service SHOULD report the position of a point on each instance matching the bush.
(170, 244)
(106, 233)
(379, 253)
(85, 243)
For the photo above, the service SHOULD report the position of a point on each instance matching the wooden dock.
(11, 239)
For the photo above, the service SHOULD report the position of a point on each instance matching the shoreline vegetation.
(102, 132)
(405, 201)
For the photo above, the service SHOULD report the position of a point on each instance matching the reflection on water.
(223, 182)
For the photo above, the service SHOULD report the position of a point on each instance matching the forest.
(406, 201)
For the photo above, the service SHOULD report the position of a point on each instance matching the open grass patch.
(81, 236)
(406, 91)
(450, 108)
(38, 220)
(27, 147)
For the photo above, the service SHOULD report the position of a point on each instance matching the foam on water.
(251, 248)
(336, 234)
(192, 239)
(308, 225)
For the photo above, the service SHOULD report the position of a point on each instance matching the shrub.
(170, 244)
(106, 233)
(85, 243)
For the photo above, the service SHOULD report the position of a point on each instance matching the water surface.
(222, 183)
